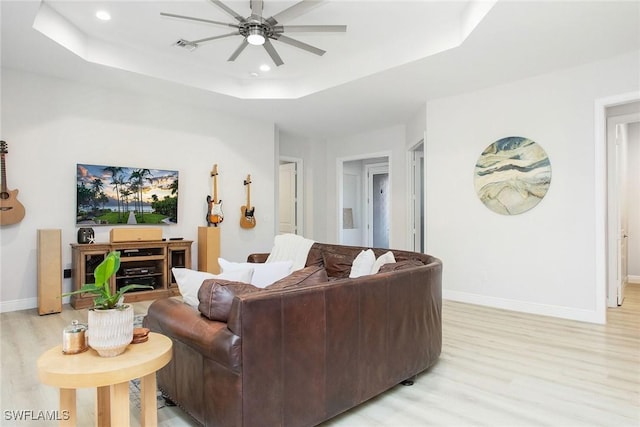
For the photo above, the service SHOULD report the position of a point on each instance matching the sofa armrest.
(258, 258)
(181, 322)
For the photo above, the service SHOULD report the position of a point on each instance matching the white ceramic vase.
(110, 331)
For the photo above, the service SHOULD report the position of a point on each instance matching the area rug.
(137, 320)
(134, 385)
(134, 395)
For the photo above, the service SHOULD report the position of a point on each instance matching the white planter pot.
(110, 331)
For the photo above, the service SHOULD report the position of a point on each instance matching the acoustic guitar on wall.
(214, 215)
(247, 217)
(11, 210)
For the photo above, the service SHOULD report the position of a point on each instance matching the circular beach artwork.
(512, 175)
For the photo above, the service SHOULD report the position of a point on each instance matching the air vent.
(186, 44)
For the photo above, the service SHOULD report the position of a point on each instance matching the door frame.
(600, 202)
(299, 202)
(416, 241)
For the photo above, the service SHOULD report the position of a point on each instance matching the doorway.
(602, 245)
(622, 195)
(364, 201)
(290, 197)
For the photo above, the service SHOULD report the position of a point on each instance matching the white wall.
(633, 198)
(312, 153)
(541, 261)
(416, 127)
(52, 124)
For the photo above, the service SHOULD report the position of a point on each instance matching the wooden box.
(135, 234)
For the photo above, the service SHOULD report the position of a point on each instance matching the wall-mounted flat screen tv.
(113, 195)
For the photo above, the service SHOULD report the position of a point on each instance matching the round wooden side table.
(111, 376)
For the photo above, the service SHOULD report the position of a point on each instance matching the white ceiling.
(394, 56)
(138, 38)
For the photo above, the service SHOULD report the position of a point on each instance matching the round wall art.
(512, 175)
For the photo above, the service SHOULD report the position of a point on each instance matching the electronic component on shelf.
(136, 271)
(137, 252)
(137, 281)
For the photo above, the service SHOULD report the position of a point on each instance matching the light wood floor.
(498, 368)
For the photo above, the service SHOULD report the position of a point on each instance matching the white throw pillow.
(189, 281)
(243, 275)
(362, 264)
(385, 258)
(264, 274)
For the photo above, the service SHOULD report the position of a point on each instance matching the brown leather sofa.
(298, 355)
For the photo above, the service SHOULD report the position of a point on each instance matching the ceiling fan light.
(256, 37)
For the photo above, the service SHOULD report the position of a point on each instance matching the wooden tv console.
(140, 262)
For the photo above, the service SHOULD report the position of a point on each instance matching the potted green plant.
(110, 320)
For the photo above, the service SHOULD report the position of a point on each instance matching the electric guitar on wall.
(247, 219)
(214, 215)
(11, 210)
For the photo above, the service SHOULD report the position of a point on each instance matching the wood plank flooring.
(497, 368)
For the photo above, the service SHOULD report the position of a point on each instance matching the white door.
(287, 198)
(623, 202)
(624, 262)
(417, 198)
(617, 210)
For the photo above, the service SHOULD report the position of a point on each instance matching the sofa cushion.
(216, 296)
(400, 265)
(263, 274)
(189, 281)
(315, 256)
(338, 265)
(307, 276)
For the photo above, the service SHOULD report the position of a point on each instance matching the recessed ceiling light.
(254, 74)
(103, 15)
(265, 68)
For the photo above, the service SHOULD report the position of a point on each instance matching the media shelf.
(142, 263)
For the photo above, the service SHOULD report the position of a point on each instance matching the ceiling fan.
(257, 30)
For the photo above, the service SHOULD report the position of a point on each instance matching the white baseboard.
(18, 304)
(24, 304)
(633, 279)
(525, 307)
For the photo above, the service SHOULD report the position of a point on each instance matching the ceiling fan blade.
(272, 53)
(294, 11)
(228, 10)
(235, 33)
(239, 50)
(256, 7)
(208, 21)
(301, 45)
(312, 28)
